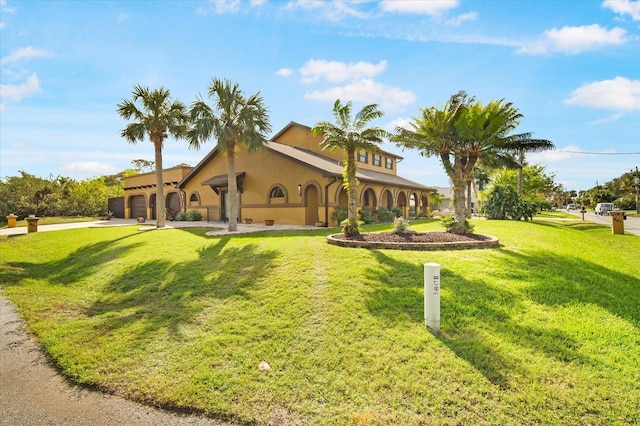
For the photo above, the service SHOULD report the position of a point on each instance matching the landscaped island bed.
(542, 330)
(415, 241)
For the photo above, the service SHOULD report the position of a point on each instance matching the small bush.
(181, 216)
(194, 216)
(339, 215)
(348, 230)
(401, 226)
(453, 227)
(384, 214)
(366, 216)
(397, 211)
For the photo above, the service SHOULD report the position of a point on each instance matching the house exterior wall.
(144, 184)
(306, 194)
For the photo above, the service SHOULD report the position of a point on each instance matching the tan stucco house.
(290, 181)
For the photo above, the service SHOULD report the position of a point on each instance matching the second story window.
(388, 163)
(363, 157)
(377, 160)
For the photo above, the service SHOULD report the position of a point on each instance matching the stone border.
(492, 242)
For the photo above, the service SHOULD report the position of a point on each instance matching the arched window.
(194, 199)
(276, 192)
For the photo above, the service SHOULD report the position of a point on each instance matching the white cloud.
(619, 94)
(226, 6)
(17, 92)
(367, 91)
(461, 19)
(94, 167)
(332, 10)
(25, 53)
(405, 123)
(423, 7)
(314, 70)
(610, 119)
(623, 7)
(575, 39)
(284, 72)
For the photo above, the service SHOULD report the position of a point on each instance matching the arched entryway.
(413, 205)
(172, 204)
(369, 201)
(343, 199)
(311, 201)
(152, 206)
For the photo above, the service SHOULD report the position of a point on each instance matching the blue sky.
(572, 68)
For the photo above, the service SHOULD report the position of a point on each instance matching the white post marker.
(432, 297)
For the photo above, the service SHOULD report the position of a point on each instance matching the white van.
(604, 208)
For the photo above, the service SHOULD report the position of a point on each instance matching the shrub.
(401, 226)
(194, 216)
(384, 214)
(181, 216)
(397, 211)
(453, 227)
(503, 202)
(348, 229)
(339, 215)
(366, 216)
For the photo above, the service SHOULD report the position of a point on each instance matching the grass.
(544, 330)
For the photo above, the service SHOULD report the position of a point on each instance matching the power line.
(598, 153)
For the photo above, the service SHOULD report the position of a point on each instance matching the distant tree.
(351, 134)
(536, 183)
(142, 165)
(234, 121)
(503, 202)
(156, 118)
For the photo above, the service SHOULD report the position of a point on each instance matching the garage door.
(138, 206)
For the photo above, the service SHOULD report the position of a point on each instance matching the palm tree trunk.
(232, 198)
(161, 221)
(352, 228)
(521, 163)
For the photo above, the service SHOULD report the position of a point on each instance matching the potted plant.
(269, 222)
(108, 215)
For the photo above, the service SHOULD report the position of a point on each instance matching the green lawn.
(544, 330)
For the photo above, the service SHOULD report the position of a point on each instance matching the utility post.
(637, 182)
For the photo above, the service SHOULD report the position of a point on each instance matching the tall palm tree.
(157, 118)
(234, 121)
(351, 135)
(460, 133)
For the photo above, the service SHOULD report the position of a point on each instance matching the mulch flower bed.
(413, 237)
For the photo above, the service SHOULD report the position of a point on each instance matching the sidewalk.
(217, 228)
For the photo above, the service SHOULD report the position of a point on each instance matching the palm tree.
(351, 135)
(520, 144)
(234, 121)
(460, 134)
(158, 118)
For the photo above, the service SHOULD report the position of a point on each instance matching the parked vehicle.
(571, 207)
(604, 208)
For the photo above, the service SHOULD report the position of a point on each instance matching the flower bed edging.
(491, 242)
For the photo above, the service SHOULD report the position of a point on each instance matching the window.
(363, 157)
(377, 160)
(276, 192)
(388, 163)
(194, 199)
